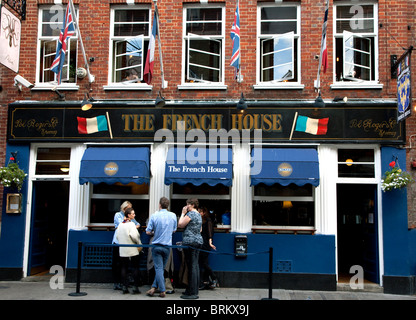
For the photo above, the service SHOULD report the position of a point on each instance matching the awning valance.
(198, 165)
(285, 166)
(118, 164)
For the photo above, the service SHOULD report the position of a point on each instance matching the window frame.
(43, 39)
(276, 84)
(129, 84)
(185, 49)
(353, 83)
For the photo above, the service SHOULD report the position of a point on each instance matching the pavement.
(47, 288)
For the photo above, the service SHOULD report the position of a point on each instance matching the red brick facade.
(396, 33)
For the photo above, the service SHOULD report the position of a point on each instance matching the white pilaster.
(157, 188)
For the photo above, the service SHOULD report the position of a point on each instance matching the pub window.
(356, 163)
(216, 199)
(50, 25)
(278, 206)
(53, 161)
(106, 200)
(130, 34)
(204, 45)
(278, 42)
(355, 33)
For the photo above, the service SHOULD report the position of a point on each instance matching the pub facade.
(277, 164)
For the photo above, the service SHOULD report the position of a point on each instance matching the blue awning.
(285, 166)
(198, 165)
(111, 165)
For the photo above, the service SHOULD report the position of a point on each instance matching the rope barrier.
(81, 244)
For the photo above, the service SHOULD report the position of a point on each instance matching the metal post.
(78, 293)
(270, 276)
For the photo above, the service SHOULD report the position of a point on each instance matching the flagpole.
(239, 80)
(293, 125)
(75, 20)
(109, 124)
(318, 80)
(160, 46)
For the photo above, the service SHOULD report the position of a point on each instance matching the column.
(157, 188)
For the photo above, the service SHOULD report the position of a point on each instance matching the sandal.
(151, 292)
(162, 294)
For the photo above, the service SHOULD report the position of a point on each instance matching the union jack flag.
(67, 31)
(235, 36)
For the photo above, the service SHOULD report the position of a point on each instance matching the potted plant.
(395, 178)
(12, 176)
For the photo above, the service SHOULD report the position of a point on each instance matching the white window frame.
(39, 83)
(127, 85)
(199, 85)
(354, 83)
(276, 84)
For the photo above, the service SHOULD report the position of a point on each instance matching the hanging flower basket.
(395, 178)
(12, 176)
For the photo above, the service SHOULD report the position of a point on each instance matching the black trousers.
(116, 265)
(204, 268)
(134, 263)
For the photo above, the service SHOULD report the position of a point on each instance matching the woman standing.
(208, 278)
(192, 222)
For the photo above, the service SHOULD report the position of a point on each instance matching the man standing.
(162, 224)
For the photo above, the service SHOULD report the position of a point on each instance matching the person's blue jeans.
(160, 256)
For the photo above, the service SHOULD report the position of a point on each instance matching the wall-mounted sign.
(404, 86)
(365, 122)
(9, 40)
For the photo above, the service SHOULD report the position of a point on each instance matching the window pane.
(103, 210)
(278, 190)
(278, 27)
(283, 213)
(356, 170)
(129, 23)
(53, 154)
(203, 189)
(355, 11)
(206, 21)
(277, 59)
(356, 163)
(278, 13)
(216, 208)
(357, 18)
(118, 188)
(357, 57)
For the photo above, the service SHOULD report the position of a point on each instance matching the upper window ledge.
(49, 86)
(202, 87)
(360, 85)
(128, 87)
(285, 86)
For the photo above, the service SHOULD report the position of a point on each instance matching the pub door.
(357, 236)
(49, 223)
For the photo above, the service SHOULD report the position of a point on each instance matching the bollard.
(270, 276)
(77, 293)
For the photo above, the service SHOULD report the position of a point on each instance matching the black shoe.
(125, 290)
(187, 296)
(135, 290)
(213, 284)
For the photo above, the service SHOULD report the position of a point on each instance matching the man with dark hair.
(162, 224)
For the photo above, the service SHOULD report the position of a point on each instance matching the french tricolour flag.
(150, 59)
(312, 126)
(92, 125)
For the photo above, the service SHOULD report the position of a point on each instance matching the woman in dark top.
(192, 222)
(208, 278)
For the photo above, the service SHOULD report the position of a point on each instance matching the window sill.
(128, 87)
(280, 86)
(283, 229)
(356, 85)
(48, 86)
(202, 87)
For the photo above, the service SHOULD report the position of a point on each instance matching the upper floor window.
(355, 32)
(130, 30)
(50, 24)
(204, 45)
(278, 44)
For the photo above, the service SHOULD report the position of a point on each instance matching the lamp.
(86, 103)
(287, 205)
(61, 97)
(241, 104)
(338, 99)
(319, 103)
(160, 101)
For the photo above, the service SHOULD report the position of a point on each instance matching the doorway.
(49, 226)
(357, 237)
